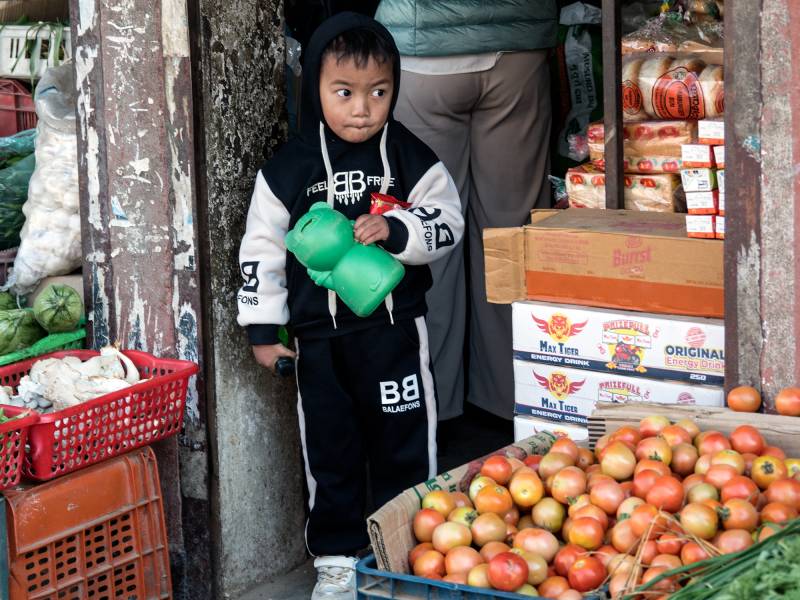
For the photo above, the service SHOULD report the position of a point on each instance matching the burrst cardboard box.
(525, 427)
(390, 527)
(636, 344)
(569, 395)
(609, 258)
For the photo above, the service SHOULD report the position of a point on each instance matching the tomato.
(585, 459)
(684, 458)
(495, 499)
(533, 461)
(537, 567)
(461, 560)
(479, 577)
(643, 482)
(507, 572)
(553, 462)
(648, 552)
(627, 488)
(449, 535)
(587, 533)
(774, 451)
(643, 516)
(767, 530)
(430, 563)
(553, 587)
(738, 513)
(627, 434)
(675, 434)
(666, 493)
(621, 564)
(786, 491)
(456, 577)
(605, 553)
(511, 532)
(747, 439)
(729, 457)
(565, 445)
(512, 516)
(669, 561)
(570, 595)
(733, 540)
(712, 443)
(703, 464)
(498, 468)
(593, 512)
(488, 527)
(578, 503)
(516, 464)
(601, 443)
(440, 501)
(670, 543)
(626, 508)
(767, 469)
(665, 585)
(692, 480)
(787, 402)
(418, 551)
(655, 448)
(692, 553)
(703, 491)
(549, 514)
(690, 426)
(491, 549)
(607, 496)
(740, 487)
(477, 484)
(777, 512)
(463, 515)
(651, 426)
(719, 475)
(618, 461)
(568, 484)
(526, 488)
(538, 541)
(596, 477)
(425, 521)
(623, 539)
(617, 586)
(744, 399)
(748, 462)
(699, 520)
(652, 465)
(587, 573)
(566, 557)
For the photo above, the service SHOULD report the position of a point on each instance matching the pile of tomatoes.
(648, 499)
(748, 399)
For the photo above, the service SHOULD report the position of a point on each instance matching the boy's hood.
(311, 108)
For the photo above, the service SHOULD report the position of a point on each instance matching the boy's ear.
(319, 206)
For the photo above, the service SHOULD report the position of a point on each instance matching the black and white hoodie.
(318, 166)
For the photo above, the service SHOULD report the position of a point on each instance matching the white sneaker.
(336, 578)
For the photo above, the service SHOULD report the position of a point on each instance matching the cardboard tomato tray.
(621, 259)
(389, 528)
(525, 427)
(647, 345)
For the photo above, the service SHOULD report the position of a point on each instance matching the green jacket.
(448, 27)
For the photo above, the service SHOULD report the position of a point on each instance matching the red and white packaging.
(719, 156)
(719, 227)
(711, 133)
(702, 203)
(698, 180)
(382, 203)
(721, 204)
(697, 156)
(700, 226)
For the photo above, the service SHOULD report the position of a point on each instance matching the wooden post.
(612, 102)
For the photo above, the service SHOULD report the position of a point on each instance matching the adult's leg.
(509, 164)
(436, 108)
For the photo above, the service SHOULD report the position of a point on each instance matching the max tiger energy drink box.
(625, 343)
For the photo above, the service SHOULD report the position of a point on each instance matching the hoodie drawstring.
(387, 176)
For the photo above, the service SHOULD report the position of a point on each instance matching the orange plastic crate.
(17, 112)
(12, 443)
(97, 534)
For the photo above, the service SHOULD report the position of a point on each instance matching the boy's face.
(355, 101)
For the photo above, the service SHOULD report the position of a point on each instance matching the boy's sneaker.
(336, 578)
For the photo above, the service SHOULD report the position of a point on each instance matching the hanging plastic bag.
(13, 193)
(51, 237)
(17, 146)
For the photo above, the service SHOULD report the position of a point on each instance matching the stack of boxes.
(703, 178)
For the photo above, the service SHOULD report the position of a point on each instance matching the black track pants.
(364, 397)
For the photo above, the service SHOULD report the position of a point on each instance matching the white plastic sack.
(51, 237)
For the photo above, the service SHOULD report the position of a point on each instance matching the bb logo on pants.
(397, 397)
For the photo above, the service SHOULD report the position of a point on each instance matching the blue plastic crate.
(374, 584)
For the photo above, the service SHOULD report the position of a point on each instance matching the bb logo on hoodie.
(349, 186)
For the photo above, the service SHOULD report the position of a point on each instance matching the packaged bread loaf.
(632, 102)
(711, 81)
(648, 147)
(669, 33)
(586, 187)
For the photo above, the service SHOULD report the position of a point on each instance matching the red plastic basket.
(17, 112)
(76, 437)
(12, 444)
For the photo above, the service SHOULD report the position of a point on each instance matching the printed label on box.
(722, 204)
(719, 156)
(700, 226)
(698, 180)
(719, 227)
(525, 427)
(702, 203)
(721, 181)
(711, 132)
(614, 341)
(570, 395)
(697, 156)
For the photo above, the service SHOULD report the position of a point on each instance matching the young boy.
(365, 388)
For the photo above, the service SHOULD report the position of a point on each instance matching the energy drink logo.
(620, 392)
(558, 384)
(559, 327)
(627, 340)
(693, 355)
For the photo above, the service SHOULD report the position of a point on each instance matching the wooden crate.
(783, 432)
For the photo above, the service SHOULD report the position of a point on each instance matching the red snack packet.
(382, 203)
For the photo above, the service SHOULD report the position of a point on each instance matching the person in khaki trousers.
(475, 88)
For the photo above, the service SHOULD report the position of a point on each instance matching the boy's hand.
(370, 229)
(267, 356)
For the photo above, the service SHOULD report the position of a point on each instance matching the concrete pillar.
(257, 484)
(136, 160)
(762, 80)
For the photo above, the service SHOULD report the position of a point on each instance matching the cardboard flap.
(504, 257)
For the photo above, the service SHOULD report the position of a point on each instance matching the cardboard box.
(719, 156)
(700, 226)
(525, 427)
(569, 395)
(698, 180)
(711, 132)
(722, 204)
(721, 180)
(636, 344)
(697, 156)
(702, 203)
(389, 527)
(719, 227)
(608, 258)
